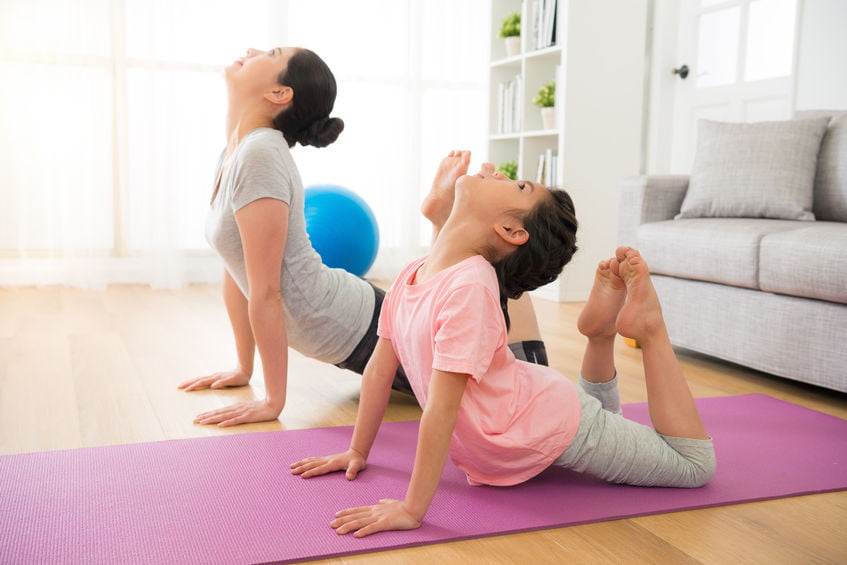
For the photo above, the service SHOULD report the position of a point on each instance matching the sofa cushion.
(831, 176)
(754, 170)
(720, 250)
(808, 262)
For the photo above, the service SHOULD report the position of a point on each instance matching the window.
(116, 121)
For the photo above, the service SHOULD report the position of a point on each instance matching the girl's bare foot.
(607, 297)
(438, 203)
(641, 316)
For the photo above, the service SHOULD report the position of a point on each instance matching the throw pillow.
(754, 170)
(831, 175)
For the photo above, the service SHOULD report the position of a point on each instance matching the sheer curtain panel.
(112, 119)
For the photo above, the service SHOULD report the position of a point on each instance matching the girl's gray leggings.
(610, 447)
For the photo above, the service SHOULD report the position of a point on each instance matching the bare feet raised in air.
(438, 203)
(600, 314)
(641, 315)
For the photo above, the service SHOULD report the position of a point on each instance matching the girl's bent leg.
(612, 448)
(672, 408)
(597, 323)
(606, 392)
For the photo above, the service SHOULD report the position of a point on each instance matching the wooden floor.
(87, 368)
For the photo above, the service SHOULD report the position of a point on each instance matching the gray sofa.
(764, 291)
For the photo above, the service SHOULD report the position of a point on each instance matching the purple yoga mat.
(231, 499)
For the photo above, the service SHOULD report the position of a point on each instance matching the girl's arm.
(245, 345)
(376, 390)
(263, 225)
(436, 429)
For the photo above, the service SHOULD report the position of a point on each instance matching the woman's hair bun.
(321, 133)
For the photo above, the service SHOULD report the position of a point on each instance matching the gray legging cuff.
(607, 393)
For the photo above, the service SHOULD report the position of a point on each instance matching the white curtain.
(112, 111)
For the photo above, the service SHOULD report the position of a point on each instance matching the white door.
(739, 57)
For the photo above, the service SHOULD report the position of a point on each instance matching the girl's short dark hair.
(307, 120)
(551, 245)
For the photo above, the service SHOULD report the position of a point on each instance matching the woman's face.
(258, 70)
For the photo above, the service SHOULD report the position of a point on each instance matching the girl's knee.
(699, 458)
(703, 465)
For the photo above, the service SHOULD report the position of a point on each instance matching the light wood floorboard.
(89, 368)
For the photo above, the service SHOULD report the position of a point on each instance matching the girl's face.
(258, 70)
(495, 194)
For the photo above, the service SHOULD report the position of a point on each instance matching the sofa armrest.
(648, 198)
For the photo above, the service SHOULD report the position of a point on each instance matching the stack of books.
(548, 164)
(542, 23)
(509, 104)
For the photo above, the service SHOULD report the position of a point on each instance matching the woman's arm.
(245, 345)
(239, 319)
(376, 390)
(436, 429)
(263, 226)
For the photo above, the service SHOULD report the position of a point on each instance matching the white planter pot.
(513, 45)
(548, 117)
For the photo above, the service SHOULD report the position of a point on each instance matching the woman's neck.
(240, 122)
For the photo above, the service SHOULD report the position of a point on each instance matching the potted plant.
(510, 30)
(546, 100)
(510, 169)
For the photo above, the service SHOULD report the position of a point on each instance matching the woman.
(276, 290)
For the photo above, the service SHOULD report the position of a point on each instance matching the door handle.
(682, 71)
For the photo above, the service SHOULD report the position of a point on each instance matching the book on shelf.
(542, 26)
(509, 105)
(546, 173)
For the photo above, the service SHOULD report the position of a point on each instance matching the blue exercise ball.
(342, 228)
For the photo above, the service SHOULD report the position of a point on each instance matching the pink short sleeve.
(383, 328)
(469, 329)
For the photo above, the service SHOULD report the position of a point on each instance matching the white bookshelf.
(535, 68)
(598, 63)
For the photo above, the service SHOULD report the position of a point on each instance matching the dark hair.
(551, 245)
(307, 120)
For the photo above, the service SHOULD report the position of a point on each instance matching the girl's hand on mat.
(366, 520)
(351, 462)
(221, 379)
(241, 413)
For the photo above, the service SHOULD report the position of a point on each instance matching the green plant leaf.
(546, 97)
(511, 25)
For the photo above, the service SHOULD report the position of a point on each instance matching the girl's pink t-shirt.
(515, 418)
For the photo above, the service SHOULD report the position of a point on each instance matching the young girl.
(276, 290)
(504, 421)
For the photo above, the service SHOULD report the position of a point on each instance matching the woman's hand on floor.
(366, 520)
(241, 413)
(351, 462)
(221, 379)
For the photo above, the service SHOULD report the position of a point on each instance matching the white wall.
(605, 68)
(822, 56)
